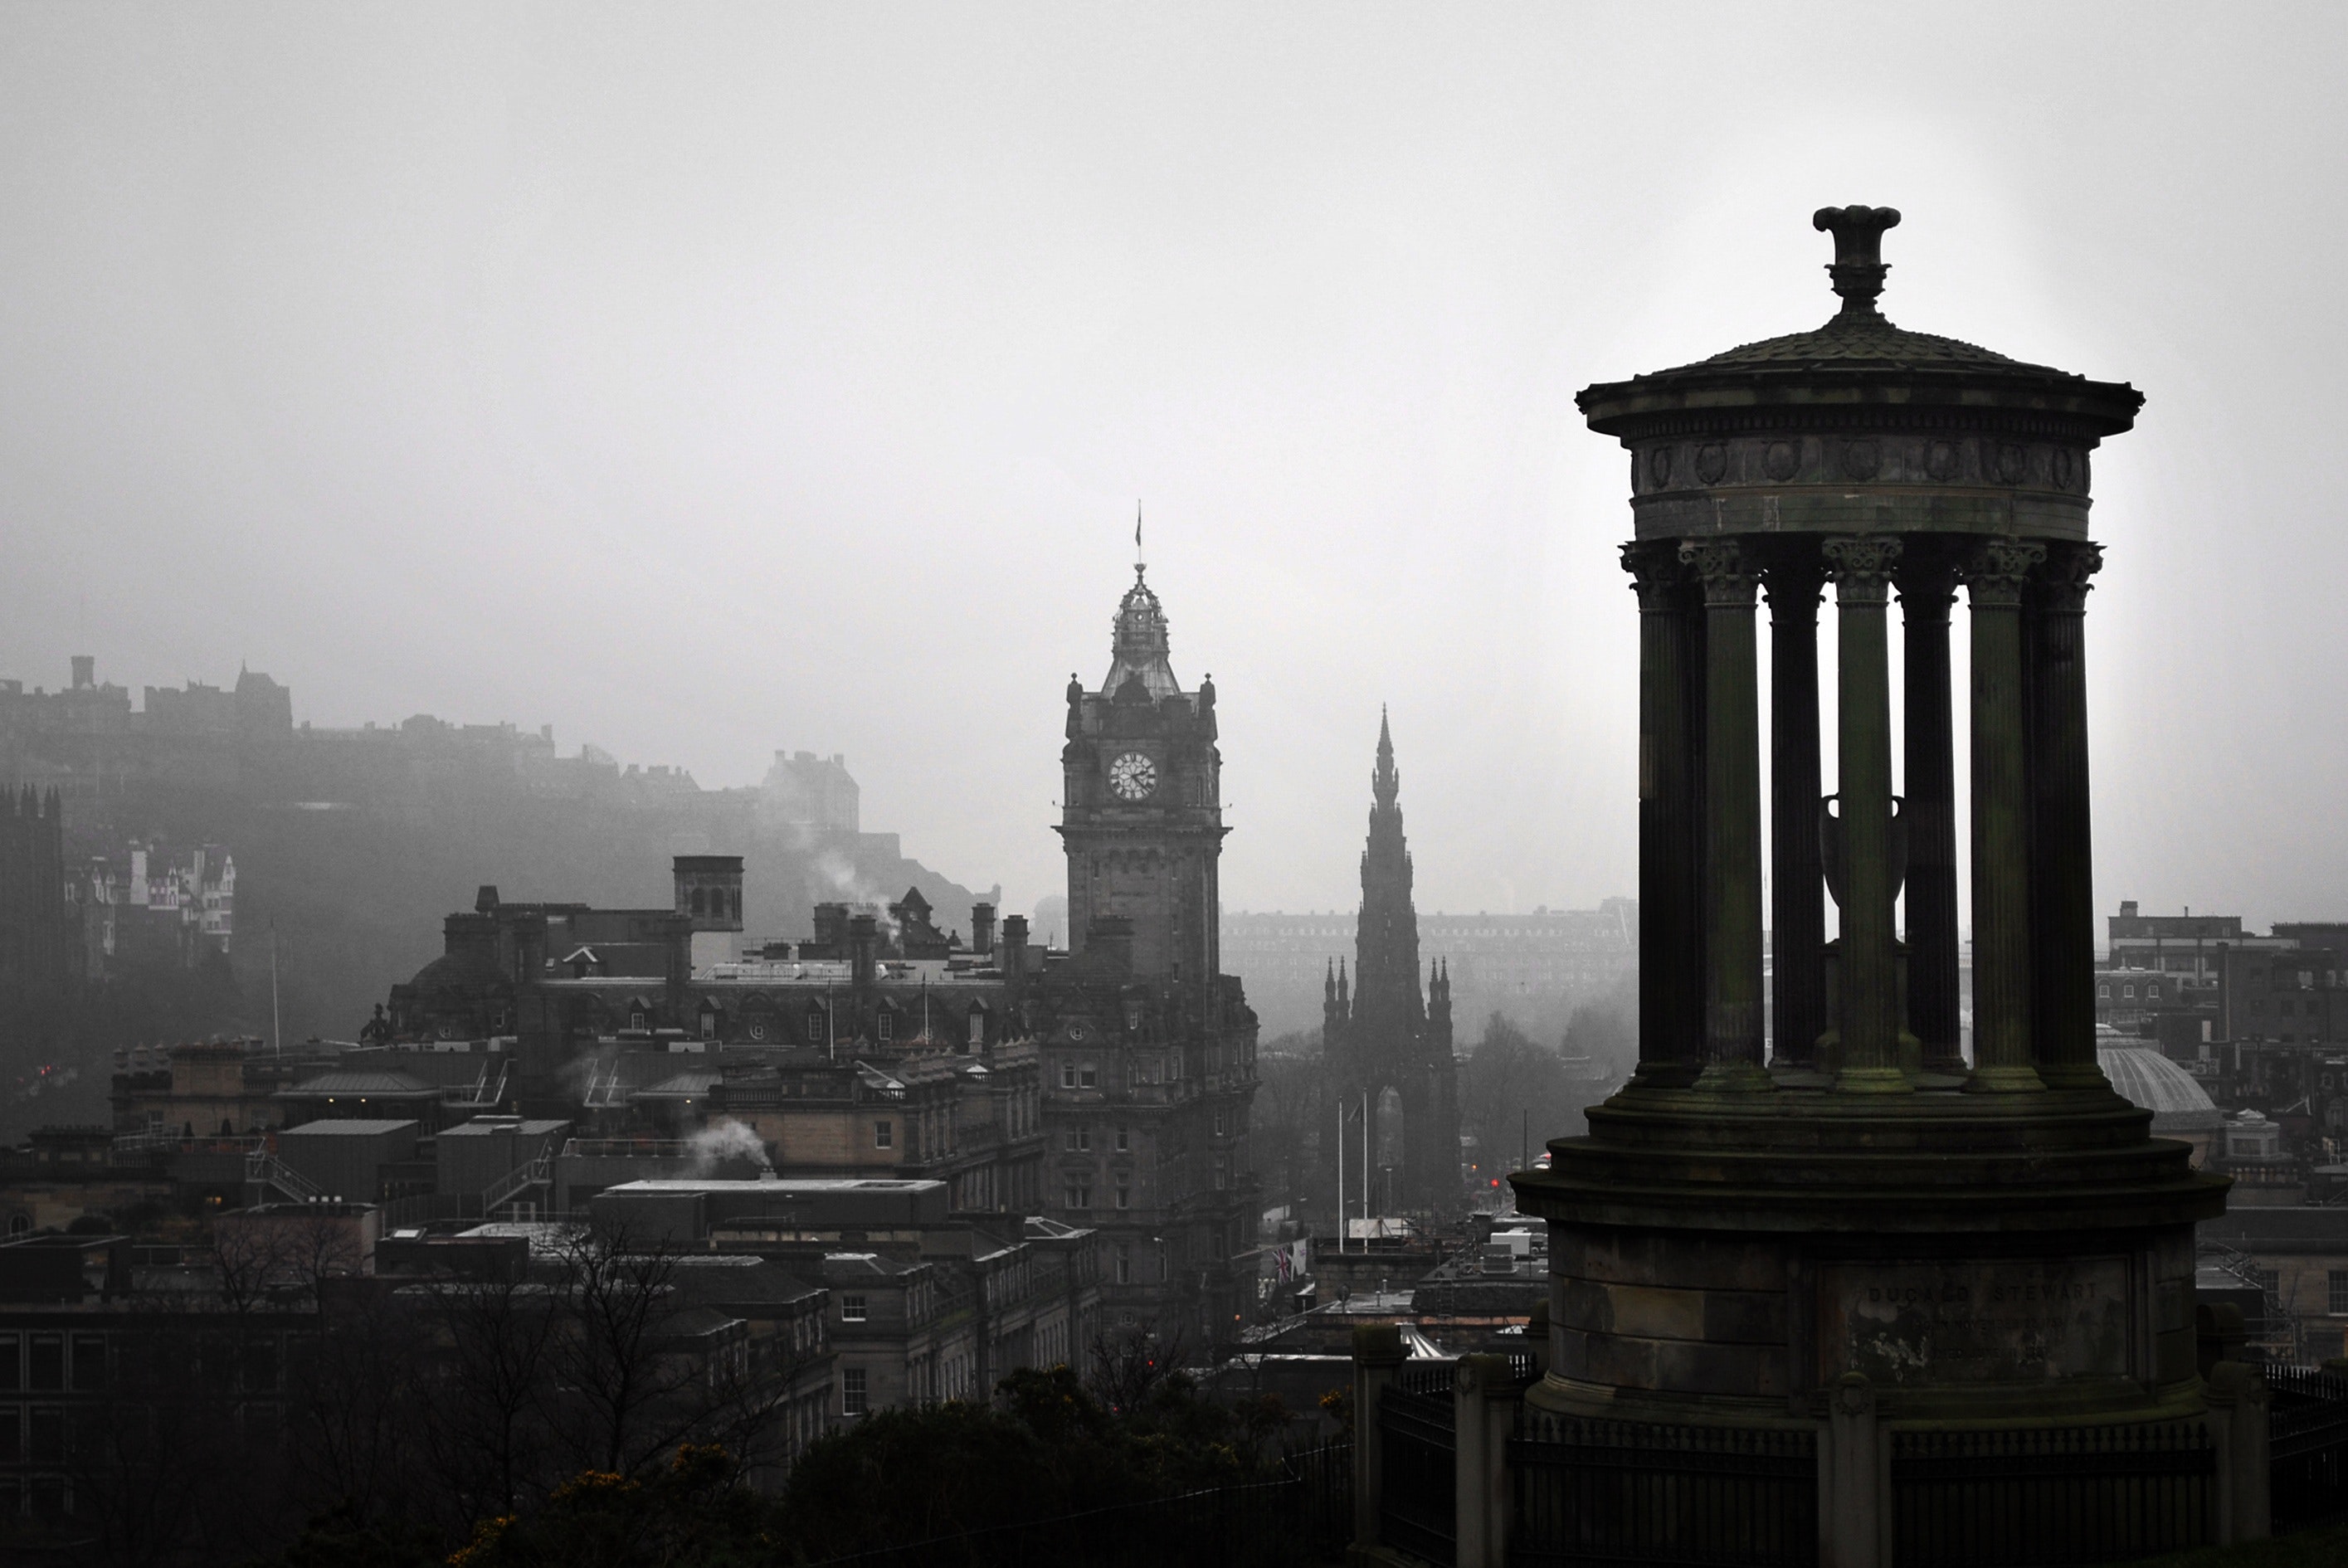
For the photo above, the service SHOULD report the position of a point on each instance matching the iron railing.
(1324, 1499)
(1418, 1498)
(2307, 1447)
(537, 1171)
(1589, 1491)
(266, 1170)
(2051, 1494)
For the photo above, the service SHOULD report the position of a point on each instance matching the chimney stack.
(863, 950)
(981, 929)
(830, 932)
(85, 671)
(1015, 955)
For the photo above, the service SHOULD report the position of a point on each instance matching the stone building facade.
(1107, 1087)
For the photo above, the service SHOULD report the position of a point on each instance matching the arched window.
(699, 902)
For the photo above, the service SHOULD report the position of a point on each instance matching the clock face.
(1133, 776)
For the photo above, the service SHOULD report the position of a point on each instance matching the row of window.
(1080, 1075)
(1077, 1186)
(1076, 1191)
(38, 1362)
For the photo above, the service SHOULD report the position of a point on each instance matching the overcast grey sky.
(709, 379)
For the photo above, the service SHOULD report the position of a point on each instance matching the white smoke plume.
(723, 1140)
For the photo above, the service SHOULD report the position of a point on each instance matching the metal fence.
(2307, 1446)
(1325, 1500)
(1596, 1491)
(1305, 1516)
(1420, 1488)
(2050, 1495)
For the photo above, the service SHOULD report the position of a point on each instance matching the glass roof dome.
(2146, 1079)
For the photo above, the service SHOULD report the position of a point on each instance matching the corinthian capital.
(1861, 568)
(1995, 574)
(1720, 565)
(2062, 582)
(1656, 575)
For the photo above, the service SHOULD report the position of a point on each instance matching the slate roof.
(384, 1085)
(738, 1279)
(689, 1085)
(525, 1127)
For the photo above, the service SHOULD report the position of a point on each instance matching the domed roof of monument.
(1864, 336)
(2149, 1080)
(1858, 353)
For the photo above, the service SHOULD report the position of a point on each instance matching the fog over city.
(707, 381)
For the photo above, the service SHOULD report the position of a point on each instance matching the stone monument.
(1810, 1211)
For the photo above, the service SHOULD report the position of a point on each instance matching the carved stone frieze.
(1866, 456)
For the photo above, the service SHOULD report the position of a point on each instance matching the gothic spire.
(1386, 783)
(1385, 968)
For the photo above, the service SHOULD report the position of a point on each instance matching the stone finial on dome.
(1859, 266)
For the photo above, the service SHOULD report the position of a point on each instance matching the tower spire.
(1386, 782)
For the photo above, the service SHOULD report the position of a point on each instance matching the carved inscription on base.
(1990, 1321)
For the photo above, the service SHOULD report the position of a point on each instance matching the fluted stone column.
(1929, 786)
(1869, 1000)
(1670, 993)
(1797, 929)
(2001, 850)
(1732, 809)
(2062, 870)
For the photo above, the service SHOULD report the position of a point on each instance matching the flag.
(1137, 530)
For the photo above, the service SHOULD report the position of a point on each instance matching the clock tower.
(1141, 818)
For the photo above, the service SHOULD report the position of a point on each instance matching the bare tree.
(496, 1344)
(357, 1400)
(641, 1367)
(1129, 1362)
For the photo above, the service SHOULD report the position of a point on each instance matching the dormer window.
(815, 1026)
(884, 1025)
